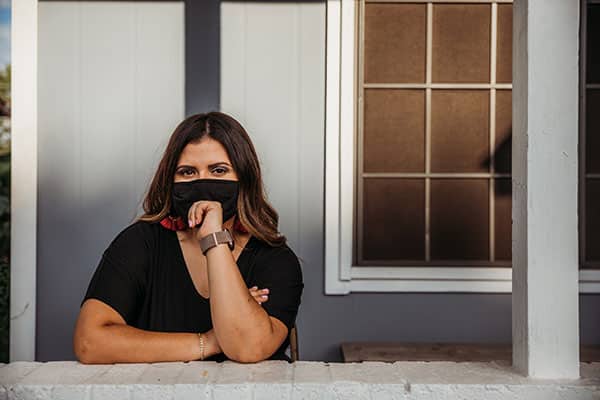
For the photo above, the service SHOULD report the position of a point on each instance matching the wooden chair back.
(294, 343)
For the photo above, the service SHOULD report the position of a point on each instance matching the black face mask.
(187, 193)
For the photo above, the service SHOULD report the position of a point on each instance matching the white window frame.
(341, 276)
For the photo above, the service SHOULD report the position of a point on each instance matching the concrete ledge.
(204, 380)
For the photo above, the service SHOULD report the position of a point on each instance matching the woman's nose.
(204, 174)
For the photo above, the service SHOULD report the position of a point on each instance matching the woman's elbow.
(245, 356)
(248, 358)
(85, 346)
(83, 350)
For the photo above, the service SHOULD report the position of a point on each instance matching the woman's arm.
(244, 330)
(102, 337)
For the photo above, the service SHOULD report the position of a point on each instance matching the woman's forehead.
(206, 151)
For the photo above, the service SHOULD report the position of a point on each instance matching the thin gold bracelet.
(201, 335)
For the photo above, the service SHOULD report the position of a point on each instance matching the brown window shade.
(394, 215)
(593, 44)
(592, 150)
(503, 219)
(459, 219)
(504, 44)
(459, 130)
(394, 130)
(395, 46)
(461, 43)
(592, 222)
(503, 137)
(396, 136)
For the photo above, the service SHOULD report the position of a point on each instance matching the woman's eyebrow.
(184, 165)
(209, 165)
(218, 163)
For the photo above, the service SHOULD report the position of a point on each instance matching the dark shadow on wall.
(73, 230)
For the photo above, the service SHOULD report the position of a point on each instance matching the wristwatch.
(211, 240)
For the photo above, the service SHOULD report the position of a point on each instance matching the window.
(431, 111)
(589, 184)
(418, 146)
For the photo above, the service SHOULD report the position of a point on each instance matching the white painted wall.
(272, 81)
(111, 91)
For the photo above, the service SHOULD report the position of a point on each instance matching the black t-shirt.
(143, 276)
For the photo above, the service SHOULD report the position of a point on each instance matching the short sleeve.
(279, 270)
(119, 279)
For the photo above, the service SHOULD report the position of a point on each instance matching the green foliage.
(4, 309)
(4, 213)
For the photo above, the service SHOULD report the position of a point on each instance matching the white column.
(23, 179)
(545, 238)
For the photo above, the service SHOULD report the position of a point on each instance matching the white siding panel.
(111, 91)
(263, 84)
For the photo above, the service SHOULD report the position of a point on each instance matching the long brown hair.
(254, 212)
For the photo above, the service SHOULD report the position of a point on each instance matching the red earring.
(174, 224)
(237, 225)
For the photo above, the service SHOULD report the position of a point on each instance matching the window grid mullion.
(439, 85)
(428, 63)
(492, 124)
(436, 175)
(582, 134)
(444, 1)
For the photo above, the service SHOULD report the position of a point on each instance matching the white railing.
(280, 380)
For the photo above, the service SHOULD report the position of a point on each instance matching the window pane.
(394, 219)
(503, 219)
(504, 43)
(459, 219)
(395, 43)
(461, 43)
(503, 151)
(592, 216)
(459, 130)
(394, 130)
(592, 153)
(593, 43)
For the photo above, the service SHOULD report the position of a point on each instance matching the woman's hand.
(259, 295)
(205, 217)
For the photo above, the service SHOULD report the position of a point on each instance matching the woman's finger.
(189, 216)
(199, 212)
(192, 214)
(257, 294)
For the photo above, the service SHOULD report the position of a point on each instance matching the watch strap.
(215, 238)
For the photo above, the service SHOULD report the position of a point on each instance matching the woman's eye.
(186, 172)
(220, 170)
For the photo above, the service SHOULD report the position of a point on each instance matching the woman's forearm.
(242, 327)
(120, 343)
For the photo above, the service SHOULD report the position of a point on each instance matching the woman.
(172, 286)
